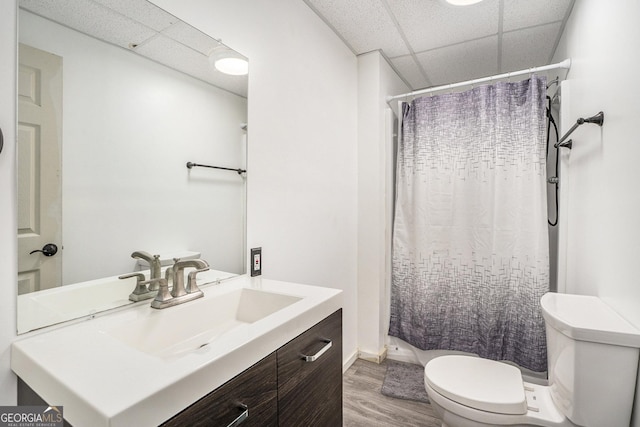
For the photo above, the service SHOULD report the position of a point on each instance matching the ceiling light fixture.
(463, 2)
(229, 62)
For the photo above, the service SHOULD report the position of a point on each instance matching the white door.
(39, 169)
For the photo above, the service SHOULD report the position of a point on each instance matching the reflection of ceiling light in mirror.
(229, 62)
(233, 66)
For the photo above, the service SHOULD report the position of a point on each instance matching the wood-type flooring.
(364, 405)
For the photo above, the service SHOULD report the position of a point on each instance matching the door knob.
(47, 250)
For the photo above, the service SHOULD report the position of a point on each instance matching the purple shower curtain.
(470, 243)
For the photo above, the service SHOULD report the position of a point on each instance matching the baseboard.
(373, 357)
(349, 361)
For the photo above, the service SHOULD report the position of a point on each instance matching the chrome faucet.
(179, 293)
(178, 276)
(155, 267)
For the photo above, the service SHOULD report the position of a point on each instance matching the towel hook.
(597, 119)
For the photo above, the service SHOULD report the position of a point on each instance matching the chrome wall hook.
(597, 119)
(568, 144)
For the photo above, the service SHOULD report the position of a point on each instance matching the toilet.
(592, 355)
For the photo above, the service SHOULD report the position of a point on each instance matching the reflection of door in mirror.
(39, 181)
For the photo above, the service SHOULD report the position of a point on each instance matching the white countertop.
(101, 381)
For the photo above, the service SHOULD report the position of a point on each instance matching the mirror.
(128, 95)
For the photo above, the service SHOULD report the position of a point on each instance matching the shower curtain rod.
(564, 64)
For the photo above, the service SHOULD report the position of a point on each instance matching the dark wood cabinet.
(300, 384)
(310, 376)
(249, 399)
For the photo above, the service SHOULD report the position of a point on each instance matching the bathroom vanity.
(283, 388)
(259, 352)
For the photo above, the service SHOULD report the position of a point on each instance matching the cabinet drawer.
(310, 391)
(255, 388)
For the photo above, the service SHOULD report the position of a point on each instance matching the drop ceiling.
(145, 29)
(427, 42)
(430, 43)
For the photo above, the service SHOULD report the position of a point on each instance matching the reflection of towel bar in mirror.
(193, 165)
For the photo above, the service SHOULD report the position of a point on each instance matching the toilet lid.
(479, 383)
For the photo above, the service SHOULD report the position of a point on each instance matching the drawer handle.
(319, 353)
(243, 416)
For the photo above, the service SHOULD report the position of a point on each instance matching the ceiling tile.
(188, 55)
(192, 37)
(427, 26)
(165, 50)
(55, 10)
(364, 24)
(430, 24)
(410, 70)
(464, 61)
(527, 13)
(92, 19)
(141, 11)
(530, 47)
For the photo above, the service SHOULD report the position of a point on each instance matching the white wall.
(376, 81)
(129, 127)
(302, 180)
(8, 211)
(603, 208)
(302, 195)
(603, 202)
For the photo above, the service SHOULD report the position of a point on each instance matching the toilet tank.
(593, 359)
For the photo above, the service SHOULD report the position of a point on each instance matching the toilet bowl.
(468, 391)
(592, 355)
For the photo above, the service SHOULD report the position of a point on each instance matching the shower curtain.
(470, 242)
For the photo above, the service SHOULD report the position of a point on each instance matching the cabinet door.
(252, 393)
(310, 376)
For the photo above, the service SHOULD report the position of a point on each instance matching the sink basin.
(165, 334)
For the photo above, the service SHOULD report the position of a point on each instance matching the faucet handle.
(192, 287)
(140, 278)
(140, 292)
